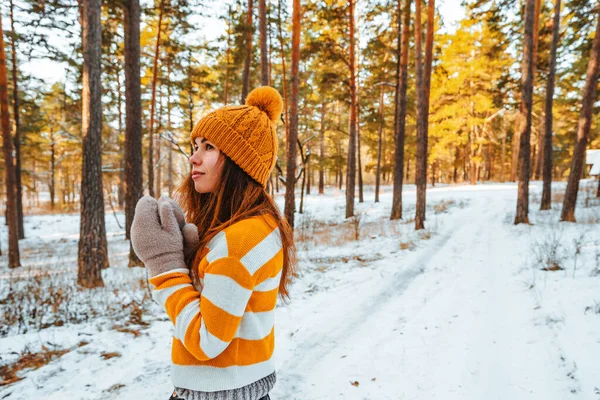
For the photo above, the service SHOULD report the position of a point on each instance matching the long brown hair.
(236, 197)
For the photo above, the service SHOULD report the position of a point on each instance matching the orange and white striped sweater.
(223, 337)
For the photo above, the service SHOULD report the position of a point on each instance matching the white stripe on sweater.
(218, 247)
(162, 295)
(226, 294)
(256, 326)
(211, 379)
(211, 345)
(269, 284)
(184, 318)
(262, 252)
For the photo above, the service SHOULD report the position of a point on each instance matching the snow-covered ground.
(462, 310)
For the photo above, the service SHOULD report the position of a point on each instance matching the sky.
(51, 72)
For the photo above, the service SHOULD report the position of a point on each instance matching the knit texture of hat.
(246, 134)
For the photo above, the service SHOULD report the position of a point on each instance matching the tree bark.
(133, 119)
(293, 128)
(170, 130)
(52, 170)
(525, 128)
(547, 153)
(93, 250)
(322, 149)
(121, 190)
(583, 129)
(153, 101)
(351, 164)
(11, 204)
(284, 78)
(400, 103)
(17, 117)
(515, 152)
(264, 54)
(381, 122)
(423, 76)
(536, 35)
(227, 52)
(246, 73)
(358, 157)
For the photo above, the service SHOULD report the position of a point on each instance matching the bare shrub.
(549, 250)
(355, 222)
(36, 299)
(442, 206)
(595, 308)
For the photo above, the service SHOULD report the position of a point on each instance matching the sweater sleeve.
(205, 323)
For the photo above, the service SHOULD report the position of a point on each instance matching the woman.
(219, 275)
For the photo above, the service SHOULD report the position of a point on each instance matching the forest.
(391, 110)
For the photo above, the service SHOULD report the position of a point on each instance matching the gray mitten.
(156, 236)
(189, 230)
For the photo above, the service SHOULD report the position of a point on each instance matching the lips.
(197, 174)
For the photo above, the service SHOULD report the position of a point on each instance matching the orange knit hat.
(246, 134)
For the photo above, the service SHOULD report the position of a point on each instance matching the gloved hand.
(189, 230)
(156, 236)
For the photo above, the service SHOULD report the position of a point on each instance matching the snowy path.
(465, 314)
(453, 322)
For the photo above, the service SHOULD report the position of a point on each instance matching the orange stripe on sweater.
(219, 322)
(239, 352)
(232, 268)
(262, 301)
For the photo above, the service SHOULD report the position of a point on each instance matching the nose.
(195, 158)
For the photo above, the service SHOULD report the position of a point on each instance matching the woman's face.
(207, 165)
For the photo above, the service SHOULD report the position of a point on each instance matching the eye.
(209, 146)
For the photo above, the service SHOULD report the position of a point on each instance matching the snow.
(462, 310)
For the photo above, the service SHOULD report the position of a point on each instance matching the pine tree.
(583, 129)
(93, 249)
(11, 206)
(525, 128)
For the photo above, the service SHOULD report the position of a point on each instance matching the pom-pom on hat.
(246, 134)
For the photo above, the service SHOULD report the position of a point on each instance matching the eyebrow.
(203, 140)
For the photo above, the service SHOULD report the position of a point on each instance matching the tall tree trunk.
(351, 165)
(357, 64)
(423, 75)
(547, 161)
(515, 152)
(322, 149)
(503, 151)
(400, 103)
(16, 114)
(227, 52)
(537, 152)
(358, 157)
(93, 250)
(52, 170)
(264, 54)
(153, 101)
(583, 129)
(159, 130)
(308, 171)
(525, 128)
(381, 121)
(283, 74)
(133, 119)
(290, 179)
(121, 190)
(246, 73)
(11, 204)
(170, 130)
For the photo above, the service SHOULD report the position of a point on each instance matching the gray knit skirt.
(258, 390)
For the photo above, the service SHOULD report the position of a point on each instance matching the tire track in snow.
(311, 347)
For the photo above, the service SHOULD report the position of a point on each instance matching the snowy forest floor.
(461, 310)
